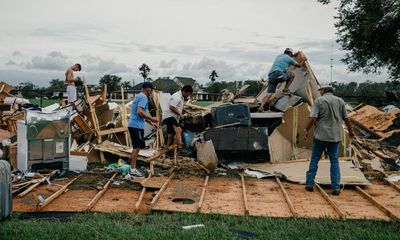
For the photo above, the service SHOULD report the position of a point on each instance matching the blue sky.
(237, 38)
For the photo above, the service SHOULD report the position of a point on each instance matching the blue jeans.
(333, 152)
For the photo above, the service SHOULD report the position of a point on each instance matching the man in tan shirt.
(69, 78)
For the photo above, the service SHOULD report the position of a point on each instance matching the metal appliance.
(43, 140)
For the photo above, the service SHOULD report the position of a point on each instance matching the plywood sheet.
(296, 171)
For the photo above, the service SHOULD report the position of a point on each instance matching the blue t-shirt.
(281, 63)
(135, 121)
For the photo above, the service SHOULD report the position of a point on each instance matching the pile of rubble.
(96, 130)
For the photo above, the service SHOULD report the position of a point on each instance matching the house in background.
(182, 81)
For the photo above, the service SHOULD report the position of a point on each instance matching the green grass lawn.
(46, 102)
(169, 226)
(203, 103)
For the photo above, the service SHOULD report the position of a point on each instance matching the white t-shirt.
(176, 101)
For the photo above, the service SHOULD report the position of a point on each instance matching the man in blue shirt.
(136, 124)
(279, 73)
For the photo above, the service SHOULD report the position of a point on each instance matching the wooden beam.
(112, 131)
(339, 211)
(96, 198)
(31, 187)
(161, 152)
(203, 193)
(287, 198)
(124, 118)
(139, 201)
(164, 186)
(197, 107)
(392, 184)
(246, 206)
(56, 194)
(377, 204)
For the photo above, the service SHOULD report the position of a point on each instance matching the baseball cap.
(288, 50)
(325, 86)
(147, 85)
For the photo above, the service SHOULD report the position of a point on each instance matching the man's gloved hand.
(260, 109)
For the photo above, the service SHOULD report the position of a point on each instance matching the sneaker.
(286, 90)
(135, 173)
(336, 192)
(310, 188)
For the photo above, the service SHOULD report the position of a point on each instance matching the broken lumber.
(376, 203)
(161, 152)
(56, 194)
(31, 188)
(100, 193)
(339, 211)
(203, 193)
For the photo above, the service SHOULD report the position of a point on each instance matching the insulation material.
(296, 171)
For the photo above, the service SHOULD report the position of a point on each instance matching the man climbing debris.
(279, 73)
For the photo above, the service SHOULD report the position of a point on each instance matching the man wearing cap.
(279, 73)
(136, 124)
(174, 113)
(327, 114)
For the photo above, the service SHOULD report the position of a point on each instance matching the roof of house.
(186, 80)
(166, 85)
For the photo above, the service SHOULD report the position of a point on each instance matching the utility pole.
(331, 63)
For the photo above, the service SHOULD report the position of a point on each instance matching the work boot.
(310, 188)
(336, 192)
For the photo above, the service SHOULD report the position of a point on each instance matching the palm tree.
(213, 76)
(144, 71)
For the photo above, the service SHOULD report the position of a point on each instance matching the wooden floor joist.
(164, 186)
(96, 198)
(287, 198)
(392, 185)
(139, 201)
(339, 211)
(56, 194)
(203, 193)
(246, 206)
(377, 204)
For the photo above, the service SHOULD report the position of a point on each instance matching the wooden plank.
(197, 107)
(377, 204)
(392, 185)
(96, 198)
(203, 193)
(246, 205)
(124, 118)
(161, 152)
(78, 120)
(112, 131)
(339, 211)
(139, 201)
(287, 198)
(79, 153)
(164, 186)
(56, 194)
(31, 188)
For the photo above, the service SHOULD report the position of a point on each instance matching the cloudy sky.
(238, 38)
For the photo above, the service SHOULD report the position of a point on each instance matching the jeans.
(333, 152)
